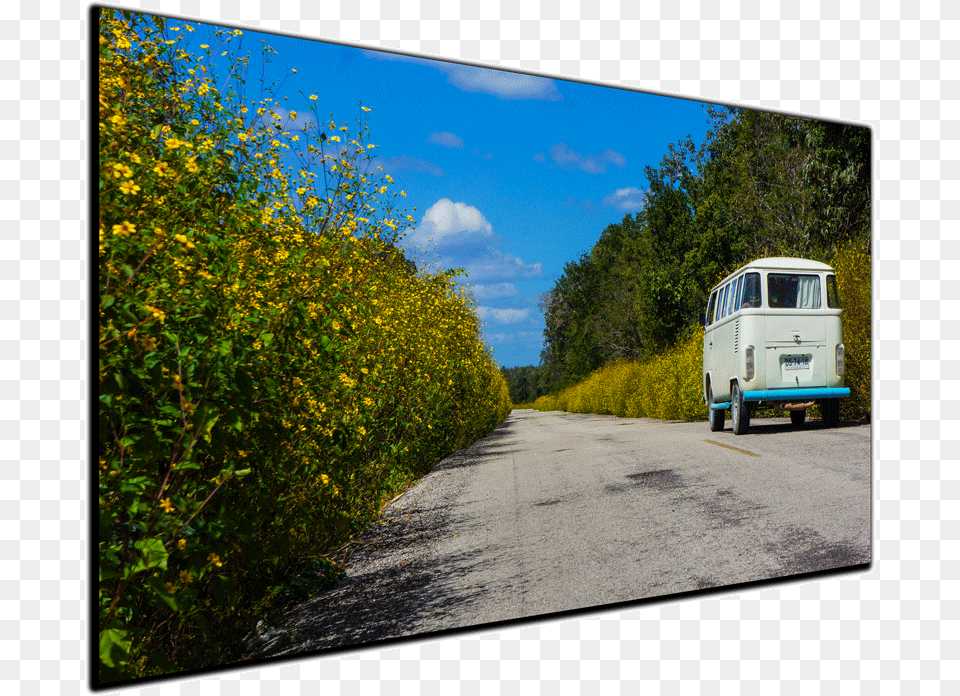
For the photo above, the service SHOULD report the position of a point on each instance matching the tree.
(760, 184)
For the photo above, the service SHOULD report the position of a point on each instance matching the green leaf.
(113, 640)
(156, 584)
(208, 426)
(153, 554)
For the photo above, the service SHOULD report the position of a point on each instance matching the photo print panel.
(393, 347)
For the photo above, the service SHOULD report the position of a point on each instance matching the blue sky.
(509, 176)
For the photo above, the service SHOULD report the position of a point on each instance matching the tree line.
(760, 184)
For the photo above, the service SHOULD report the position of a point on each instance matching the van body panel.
(785, 309)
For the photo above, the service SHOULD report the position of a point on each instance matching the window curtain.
(808, 292)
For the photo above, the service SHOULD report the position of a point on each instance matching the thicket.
(666, 386)
(761, 184)
(271, 369)
(669, 385)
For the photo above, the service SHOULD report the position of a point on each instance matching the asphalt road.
(558, 511)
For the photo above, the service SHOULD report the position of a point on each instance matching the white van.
(772, 339)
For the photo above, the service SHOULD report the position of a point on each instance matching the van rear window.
(793, 291)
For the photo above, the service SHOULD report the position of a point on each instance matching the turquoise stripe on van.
(789, 395)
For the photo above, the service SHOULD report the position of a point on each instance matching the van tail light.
(839, 360)
(748, 357)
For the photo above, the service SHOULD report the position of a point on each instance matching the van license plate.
(797, 362)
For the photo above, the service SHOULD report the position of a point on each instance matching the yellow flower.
(215, 559)
(365, 108)
(313, 97)
(166, 505)
(124, 229)
(182, 544)
(157, 314)
(128, 187)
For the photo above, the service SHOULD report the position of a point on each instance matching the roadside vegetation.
(622, 333)
(271, 369)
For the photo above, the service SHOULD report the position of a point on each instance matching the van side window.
(731, 296)
(736, 301)
(793, 291)
(751, 291)
(710, 307)
(725, 301)
(833, 297)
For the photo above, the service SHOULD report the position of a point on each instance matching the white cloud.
(506, 85)
(495, 265)
(527, 337)
(500, 83)
(495, 291)
(566, 157)
(413, 164)
(446, 139)
(503, 316)
(447, 223)
(457, 235)
(626, 199)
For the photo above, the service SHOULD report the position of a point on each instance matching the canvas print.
(392, 346)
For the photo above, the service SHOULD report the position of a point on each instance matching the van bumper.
(790, 395)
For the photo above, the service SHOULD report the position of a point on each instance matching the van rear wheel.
(739, 411)
(830, 409)
(716, 415)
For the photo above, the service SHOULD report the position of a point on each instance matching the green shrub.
(852, 264)
(270, 371)
(667, 387)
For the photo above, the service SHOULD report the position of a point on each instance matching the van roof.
(781, 263)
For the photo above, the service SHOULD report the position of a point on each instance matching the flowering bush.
(667, 387)
(852, 264)
(270, 367)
